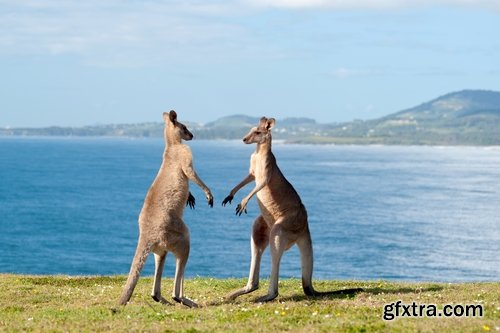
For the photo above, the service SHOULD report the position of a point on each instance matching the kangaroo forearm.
(203, 186)
(244, 182)
(236, 189)
(254, 191)
(192, 176)
(200, 183)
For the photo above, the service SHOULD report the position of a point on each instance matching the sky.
(76, 63)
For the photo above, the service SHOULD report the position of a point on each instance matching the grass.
(88, 304)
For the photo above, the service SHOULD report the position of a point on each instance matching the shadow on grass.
(337, 294)
(352, 293)
(401, 290)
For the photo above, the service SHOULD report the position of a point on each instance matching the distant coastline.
(468, 118)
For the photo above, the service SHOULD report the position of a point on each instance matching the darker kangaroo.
(283, 219)
(161, 228)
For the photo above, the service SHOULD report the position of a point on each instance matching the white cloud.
(347, 73)
(140, 32)
(111, 31)
(372, 4)
(343, 73)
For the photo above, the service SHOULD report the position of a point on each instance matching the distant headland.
(468, 117)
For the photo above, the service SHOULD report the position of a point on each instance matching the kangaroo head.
(261, 133)
(174, 130)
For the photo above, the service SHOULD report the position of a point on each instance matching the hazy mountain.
(234, 121)
(469, 117)
(236, 126)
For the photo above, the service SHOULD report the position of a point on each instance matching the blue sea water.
(70, 206)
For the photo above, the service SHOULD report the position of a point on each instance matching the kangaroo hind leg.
(258, 243)
(159, 265)
(279, 242)
(181, 254)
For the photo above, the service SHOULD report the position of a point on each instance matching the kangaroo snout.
(248, 139)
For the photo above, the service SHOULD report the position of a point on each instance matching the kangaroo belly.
(280, 203)
(161, 220)
(275, 205)
(174, 200)
(166, 198)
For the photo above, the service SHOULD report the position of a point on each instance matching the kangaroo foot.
(266, 298)
(186, 301)
(160, 299)
(245, 290)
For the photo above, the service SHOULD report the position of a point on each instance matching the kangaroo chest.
(261, 168)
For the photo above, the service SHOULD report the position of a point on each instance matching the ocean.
(70, 206)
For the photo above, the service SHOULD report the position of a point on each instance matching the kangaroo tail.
(141, 254)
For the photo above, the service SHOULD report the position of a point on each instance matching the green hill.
(469, 117)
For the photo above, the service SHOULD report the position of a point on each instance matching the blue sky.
(73, 63)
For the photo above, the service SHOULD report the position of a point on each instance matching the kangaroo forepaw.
(191, 201)
(229, 199)
(240, 209)
(186, 301)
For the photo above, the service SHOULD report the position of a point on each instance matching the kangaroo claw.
(229, 199)
(240, 210)
(191, 201)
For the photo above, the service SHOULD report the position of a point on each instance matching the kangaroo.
(283, 219)
(161, 228)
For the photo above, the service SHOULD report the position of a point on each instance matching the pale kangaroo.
(161, 228)
(283, 219)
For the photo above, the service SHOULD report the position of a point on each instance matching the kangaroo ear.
(172, 115)
(270, 123)
(262, 122)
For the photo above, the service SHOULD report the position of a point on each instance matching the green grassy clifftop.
(88, 304)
